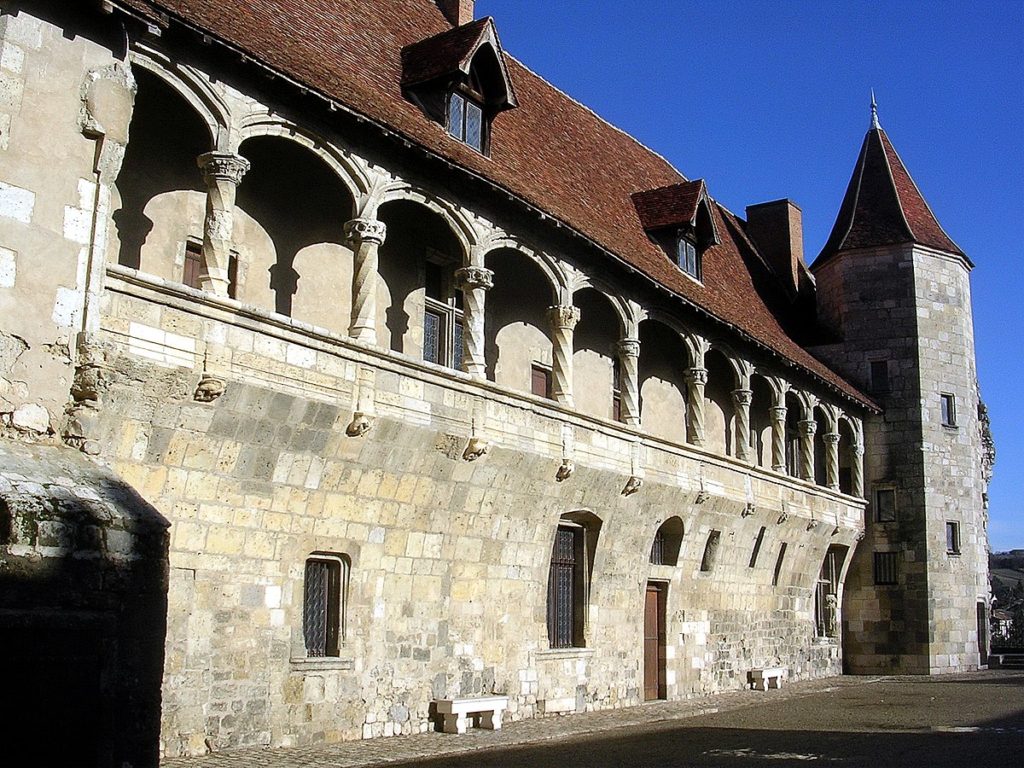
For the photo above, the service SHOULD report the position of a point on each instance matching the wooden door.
(654, 642)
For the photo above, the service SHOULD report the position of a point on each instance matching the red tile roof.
(551, 152)
(669, 206)
(883, 205)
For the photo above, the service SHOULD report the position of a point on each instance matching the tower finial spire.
(874, 111)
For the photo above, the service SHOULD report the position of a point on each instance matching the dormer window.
(460, 80)
(687, 255)
(466, 121)
(680, 218)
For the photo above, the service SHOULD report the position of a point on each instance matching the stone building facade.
(407, 403)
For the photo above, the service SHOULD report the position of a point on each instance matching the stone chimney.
(777, 229)
(458, 12)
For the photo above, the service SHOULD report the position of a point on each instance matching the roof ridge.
(607, 122)
(917, 189)
(882, 138)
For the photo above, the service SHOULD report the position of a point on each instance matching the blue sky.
(770, 99)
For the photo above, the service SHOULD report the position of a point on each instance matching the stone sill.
(556, 654)
(322, 664)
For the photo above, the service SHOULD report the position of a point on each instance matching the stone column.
(628, 351)
(831, 459)
(696, 378)
(778, 414)
(807, 429)
(857, 472)
(563, 318)
(741, 401)
(222, 173)
(365, 235)
(474, 283)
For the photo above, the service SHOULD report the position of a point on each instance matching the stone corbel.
(860, 535)
(748, 509)
(360, 424)
(209, 389)
(568, 466)
(784, 516)
(565, 470)
(475, 448)
(632, 485)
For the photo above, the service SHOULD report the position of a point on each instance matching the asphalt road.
(972, 720)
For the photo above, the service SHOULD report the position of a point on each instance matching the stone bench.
(455, 712)
(770, 677)
(1008, 659)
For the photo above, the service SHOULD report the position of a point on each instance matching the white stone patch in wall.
(77, 225)
(277, 617)
(67, 308)
(11, 89)
(23, 30)
(5, 130)
(304, 357)
(272, 597)
(16, 203)
(8, 268)
(161, 347)
(316, 471)
(12, 58)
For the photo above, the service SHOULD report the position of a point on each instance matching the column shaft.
(629, 381)
(741, 400)
(807, 430)
(696, 379)
(474, 282)
(365, 235)
(831, 459)
(857, 472)
(563, 321)
(222, 173)
(778, 414)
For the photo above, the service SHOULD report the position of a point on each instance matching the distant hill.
(1006, 570)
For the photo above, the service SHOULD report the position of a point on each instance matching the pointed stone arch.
(191, 86)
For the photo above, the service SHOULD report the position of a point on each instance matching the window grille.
(564, 586)
(322, 606)
(886, 568)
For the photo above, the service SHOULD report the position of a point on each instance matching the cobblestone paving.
(375, 752)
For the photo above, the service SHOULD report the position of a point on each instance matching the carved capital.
(697, 376)
(831, 438)
(808, 427)
(778, 412)
(742, 397)
(628, 348)
(365, 230)
(222, 166)
(858, 450)
(564, 316)
(474, 277)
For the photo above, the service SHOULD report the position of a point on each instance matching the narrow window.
(885, 568)
(757, 548)
(953, 538)
(442, 317)
(192, 271)
(658, 548)
(880, 376)
(616, 390)
(667, 542)
(885, 505)
(826, 597)
(948, 410)
(568, 580)
(778, 565)
(687, 256)
(540, 380)
(323, 605)
(710, 551)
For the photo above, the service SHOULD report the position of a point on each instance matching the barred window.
(572, 558)
(826, 596)
(667, 542)
(323, 604)
(886, 568)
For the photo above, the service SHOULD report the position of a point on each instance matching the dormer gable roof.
(449, 56)
(883, 205)
(675, 205)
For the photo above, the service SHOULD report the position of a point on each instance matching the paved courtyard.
(965, 720)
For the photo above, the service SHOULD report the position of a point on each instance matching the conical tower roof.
(883, 205)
